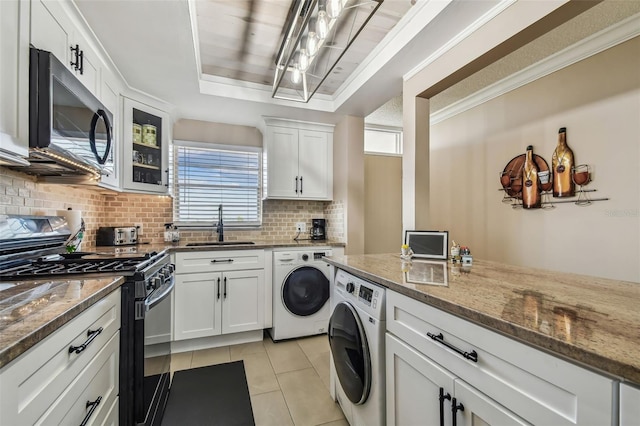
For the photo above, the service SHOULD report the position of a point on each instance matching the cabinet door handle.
(81, 57)
(473, 355)
(442, 397)
(296, 184)
(93, 406)
(90, 336)
(222, 261)
(301, 184)
(455, 407)
(75, 63)
(218, 288)
(225, 287)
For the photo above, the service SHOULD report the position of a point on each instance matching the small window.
(383, 140)
(207, 175)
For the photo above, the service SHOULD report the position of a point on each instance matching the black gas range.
(33, 248)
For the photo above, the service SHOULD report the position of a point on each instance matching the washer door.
(350, 352)
(305, 291)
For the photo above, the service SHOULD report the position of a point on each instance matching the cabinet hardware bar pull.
(225, 287)
(442, 397)
(76, 53)
(455, 407)
(301, 184)
(473, 355)
(222, 261)
(218, 288)
(93, 406)
(296, 184)
(81, 56)
(90, 336)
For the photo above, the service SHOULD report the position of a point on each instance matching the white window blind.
(206, 175)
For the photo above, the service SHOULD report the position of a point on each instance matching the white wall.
(598, 100)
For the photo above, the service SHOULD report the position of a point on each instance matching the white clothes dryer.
(301, 291)
(356, 338)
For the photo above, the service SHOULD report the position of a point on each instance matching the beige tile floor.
(288, 381)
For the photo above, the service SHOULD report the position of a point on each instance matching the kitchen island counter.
(32, 310)
(588, 320)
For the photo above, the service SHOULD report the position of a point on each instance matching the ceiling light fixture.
(317, 34)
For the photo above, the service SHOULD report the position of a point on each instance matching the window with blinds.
(207, 175)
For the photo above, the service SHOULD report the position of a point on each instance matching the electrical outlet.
(139, 226)
(301, 227)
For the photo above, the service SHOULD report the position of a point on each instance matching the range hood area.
(70, 130)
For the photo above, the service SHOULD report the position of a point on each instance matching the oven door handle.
(157, 297)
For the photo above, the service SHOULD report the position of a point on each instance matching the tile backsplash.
(21, 194)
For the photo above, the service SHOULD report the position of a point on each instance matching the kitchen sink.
(221, 243)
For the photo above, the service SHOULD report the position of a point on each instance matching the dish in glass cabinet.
(511, 176)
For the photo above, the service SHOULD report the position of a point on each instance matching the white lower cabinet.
(497, 380)
(218, 302)
(59, 380)
(420, 392)
(629, 405)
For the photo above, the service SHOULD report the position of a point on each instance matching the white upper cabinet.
(14, 81)
(53, 29)
(298, 160)
(145, 148)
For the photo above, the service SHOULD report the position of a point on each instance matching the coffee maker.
(318, 229)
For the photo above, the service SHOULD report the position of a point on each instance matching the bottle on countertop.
(561, 163)
(531, 193)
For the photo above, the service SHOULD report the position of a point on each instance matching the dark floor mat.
(213, 395)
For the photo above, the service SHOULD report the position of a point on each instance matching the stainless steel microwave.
(70, 131)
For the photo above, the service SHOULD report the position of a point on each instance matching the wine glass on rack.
(546, 185)
(516, 190)
(581, 176)
(505, 181)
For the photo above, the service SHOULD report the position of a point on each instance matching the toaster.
(116, 236)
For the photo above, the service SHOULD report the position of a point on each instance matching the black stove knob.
(350, 287)
(305, 257)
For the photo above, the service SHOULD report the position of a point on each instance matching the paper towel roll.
(74, 219)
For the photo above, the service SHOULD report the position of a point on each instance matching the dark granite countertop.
(592, 321)
(32, 310)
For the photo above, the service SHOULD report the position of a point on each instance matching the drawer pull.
(222, 261)
(473, 355)
(90, 336)
(93, 406)
(455, 407)
(442, 397)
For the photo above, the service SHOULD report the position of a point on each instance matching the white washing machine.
(356, 337)
(301, 291)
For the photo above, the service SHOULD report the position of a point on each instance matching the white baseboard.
(216, 341)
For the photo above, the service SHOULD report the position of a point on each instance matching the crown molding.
(592, 45)
(479, 23)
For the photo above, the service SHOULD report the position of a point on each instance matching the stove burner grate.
(76, 267)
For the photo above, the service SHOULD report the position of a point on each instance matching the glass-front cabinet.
(146, 142)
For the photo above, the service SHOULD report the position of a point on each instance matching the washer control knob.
(350, 287)
(305, 257)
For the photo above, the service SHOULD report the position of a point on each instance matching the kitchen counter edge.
(565, 350)
(41, 328)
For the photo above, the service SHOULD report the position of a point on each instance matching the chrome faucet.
(220, 226)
